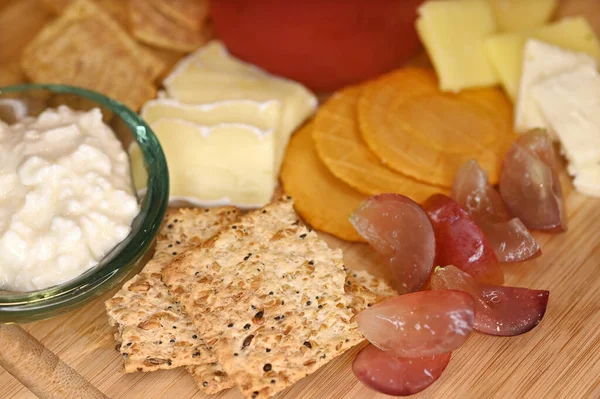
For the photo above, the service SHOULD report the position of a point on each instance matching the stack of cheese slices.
(224, 126)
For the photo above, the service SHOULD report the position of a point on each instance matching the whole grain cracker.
(378, 286)
(150, 25)
(85, 47)
(268, 297)
(210, 377)
(153, 330)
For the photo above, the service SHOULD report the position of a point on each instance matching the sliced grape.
(529, 183)
(399, 229)
(509, 237)
(392, 375)
(499, 310)
(425, 323)
(460, 242)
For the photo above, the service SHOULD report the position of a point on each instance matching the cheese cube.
(518, 15)
(225, 164)
(570, 102)
(263, 115)
(453, 33)
(587, 181)
(506, 50)
(540, 61)
(212, 74)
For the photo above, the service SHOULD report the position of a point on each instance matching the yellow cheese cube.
(506, 50)
(453, 33)
(519, 15)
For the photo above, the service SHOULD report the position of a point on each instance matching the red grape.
(460, 242)
(529, 183)
(398, 376)
(425, 323)
(399, 229)
(509, 237)
(499, 310)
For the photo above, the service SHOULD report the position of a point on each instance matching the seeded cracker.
(153, 331)
(377, 286)
(85, 47)
(268, 298)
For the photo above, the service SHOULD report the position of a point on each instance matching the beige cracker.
(153, 331)
(268, 298)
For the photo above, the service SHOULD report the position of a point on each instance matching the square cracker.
(150, 25)
(268, 297)
(117, 9)
(85, 47)
(153, 330)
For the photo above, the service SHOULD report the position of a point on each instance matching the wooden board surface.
(559, 359)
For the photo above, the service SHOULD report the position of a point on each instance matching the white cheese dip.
(66, 197)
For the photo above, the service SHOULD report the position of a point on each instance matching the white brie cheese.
(570, 102)
(263, 115)
(541, 61)
(212, 74)
(228, 163)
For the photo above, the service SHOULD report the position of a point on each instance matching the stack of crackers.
(120, 48)
(255, 301)
(397, 133)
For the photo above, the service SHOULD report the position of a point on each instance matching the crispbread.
(377, 286)
(210, 377)
(85, 47)
(268, 297)
(153, 331)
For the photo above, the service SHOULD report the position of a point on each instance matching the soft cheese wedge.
(263, 115)
(453, 33)
(212, 74)
(228, 163)
(570, 102)
(540, 61)
(506, 50)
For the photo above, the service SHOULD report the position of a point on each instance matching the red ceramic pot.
(325, 44)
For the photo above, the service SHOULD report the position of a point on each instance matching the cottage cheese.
(66, 197)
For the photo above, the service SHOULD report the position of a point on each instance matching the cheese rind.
(228, 163)
(263, 115)
(540, 61)
(570, 102)
(453, 33)
(506, 50)
(212, 74)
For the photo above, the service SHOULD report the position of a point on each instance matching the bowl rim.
(34, 305)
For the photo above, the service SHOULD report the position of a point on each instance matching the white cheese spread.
(66, 197)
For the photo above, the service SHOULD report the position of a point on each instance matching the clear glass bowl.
(128, 126)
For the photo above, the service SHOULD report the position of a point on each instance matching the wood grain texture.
(558, 359)
(35, 365)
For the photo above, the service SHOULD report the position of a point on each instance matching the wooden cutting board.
(559, 359)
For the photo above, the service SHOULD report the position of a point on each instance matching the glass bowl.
(116, 265)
